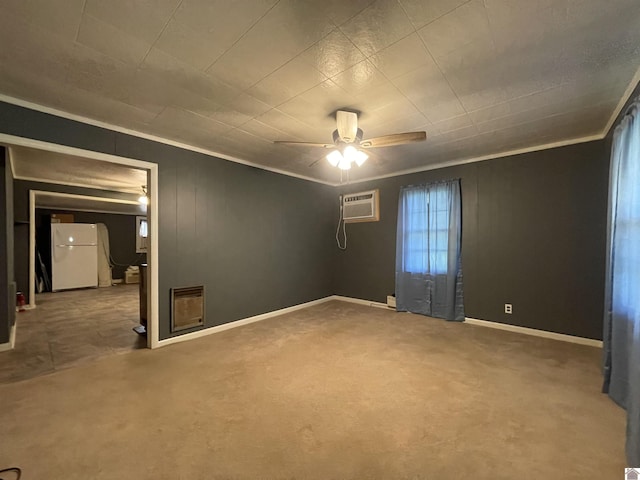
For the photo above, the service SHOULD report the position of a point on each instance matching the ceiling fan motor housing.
(347, 125)
(337, 139)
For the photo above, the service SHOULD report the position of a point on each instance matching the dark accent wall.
(7, 293)
(122, 235)
(258, 241)
(534, 228)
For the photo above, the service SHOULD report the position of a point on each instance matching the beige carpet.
(336, 391)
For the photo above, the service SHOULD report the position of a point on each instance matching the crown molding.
(635, 81)
(453, 163)
(135, 133)
(625, 98)
(574, 141)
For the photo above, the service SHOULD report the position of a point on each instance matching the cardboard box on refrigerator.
(62, 218)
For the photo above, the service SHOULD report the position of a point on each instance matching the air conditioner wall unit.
(361, 207)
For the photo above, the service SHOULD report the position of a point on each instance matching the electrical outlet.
(508, 308)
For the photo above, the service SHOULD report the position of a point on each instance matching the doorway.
(57, 200)
(90, 276)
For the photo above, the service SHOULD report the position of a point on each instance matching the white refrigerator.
(74, 255)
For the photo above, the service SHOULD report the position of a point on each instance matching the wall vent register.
(187, 308)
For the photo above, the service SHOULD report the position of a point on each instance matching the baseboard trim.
(359, 301)
(534, 332)
(264, 316)
(241, 322)
(485, 323)
(12, 340)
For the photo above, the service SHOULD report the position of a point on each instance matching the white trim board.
(275, 313)
(90, 210)
(359, 301)
(135, 133)
(152, 214)
(264, 316)
(81, 197)
(493, 156)
(534, 332)
(116, 128)
(239, 323)
(564, 143)
(86, 197)
(72, 184)
(496, 325)
(4, 347)
(625, 98)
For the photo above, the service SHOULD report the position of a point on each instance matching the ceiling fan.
(347, 141)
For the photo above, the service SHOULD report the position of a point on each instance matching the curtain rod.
(446, 180)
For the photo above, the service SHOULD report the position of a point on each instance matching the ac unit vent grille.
(361, 207)
(187, 308)
(358, 210)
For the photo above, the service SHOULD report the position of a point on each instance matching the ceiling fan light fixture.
(334, 157)
(361, 157)
(350, 153)
(344, 164)
(348, 142)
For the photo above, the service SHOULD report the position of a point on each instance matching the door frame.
(153, 333)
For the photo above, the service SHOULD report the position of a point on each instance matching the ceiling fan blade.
(395, 139)
(305, 144)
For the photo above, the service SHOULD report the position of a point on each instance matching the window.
(142, 234)
(621, 341)
(428, 250)
(425, 212)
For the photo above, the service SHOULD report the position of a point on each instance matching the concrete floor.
(335, 391)
(72, 328)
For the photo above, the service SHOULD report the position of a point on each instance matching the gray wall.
(533, 235)
(122, 235)
(257, 240)
(7, 294)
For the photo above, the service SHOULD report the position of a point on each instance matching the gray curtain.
(622, 293)
(428, 250)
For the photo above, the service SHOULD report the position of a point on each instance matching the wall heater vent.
(361, 207)
(187, 308)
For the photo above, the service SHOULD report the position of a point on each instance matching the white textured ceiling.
(44, 166)
(480, 76)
